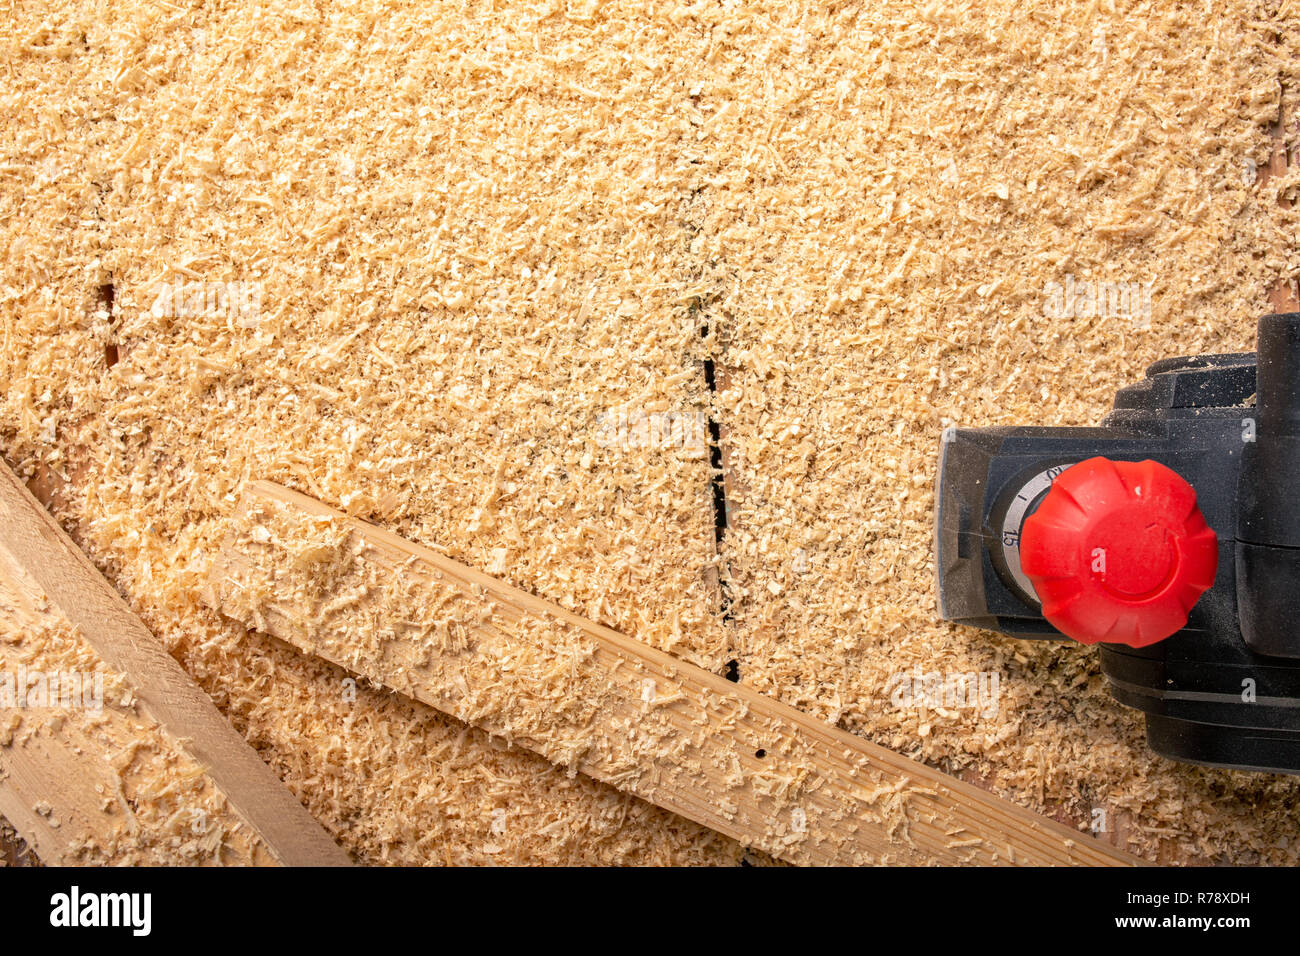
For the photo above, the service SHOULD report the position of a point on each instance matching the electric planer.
(1169, 536)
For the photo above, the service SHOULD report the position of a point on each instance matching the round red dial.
(1118, 552)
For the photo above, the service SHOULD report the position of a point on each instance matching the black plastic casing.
(1224, 690)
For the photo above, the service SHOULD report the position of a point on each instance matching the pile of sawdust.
(476, 234)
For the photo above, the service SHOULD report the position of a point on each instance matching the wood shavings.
(518, 207)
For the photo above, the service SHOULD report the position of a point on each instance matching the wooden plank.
(95, 781)
(596, 701)
(59, 787)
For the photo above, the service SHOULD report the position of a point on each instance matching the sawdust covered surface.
(475, 233)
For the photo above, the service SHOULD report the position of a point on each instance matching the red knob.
(1118, 552)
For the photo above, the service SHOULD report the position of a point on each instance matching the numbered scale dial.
(1017, 508)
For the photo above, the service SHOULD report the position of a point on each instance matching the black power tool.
(1170, 536)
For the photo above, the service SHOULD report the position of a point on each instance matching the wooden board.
(60, 787)
(599, 702)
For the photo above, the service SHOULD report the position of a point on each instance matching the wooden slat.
(56, 788)
(597, 701)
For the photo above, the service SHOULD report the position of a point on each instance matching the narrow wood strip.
(596, 701)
